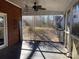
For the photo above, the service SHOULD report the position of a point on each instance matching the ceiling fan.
(37, 7)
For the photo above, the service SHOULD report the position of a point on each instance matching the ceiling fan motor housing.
(35, 8)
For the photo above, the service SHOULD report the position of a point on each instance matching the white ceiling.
(50, 5)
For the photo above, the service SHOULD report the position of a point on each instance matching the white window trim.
(5, 31)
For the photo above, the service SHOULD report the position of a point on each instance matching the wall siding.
(13, 17)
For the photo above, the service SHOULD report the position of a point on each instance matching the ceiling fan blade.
(25, 8)
(42, 8)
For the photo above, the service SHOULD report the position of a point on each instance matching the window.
(1, 30)
(59, 22)
(75, 20)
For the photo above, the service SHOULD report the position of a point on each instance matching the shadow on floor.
(11, 52)
(50, 43)
(35, 45)
(14, 52)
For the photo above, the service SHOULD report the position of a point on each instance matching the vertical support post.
(70, 39)
(54, 21)
(65, 35)
(68, 29)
